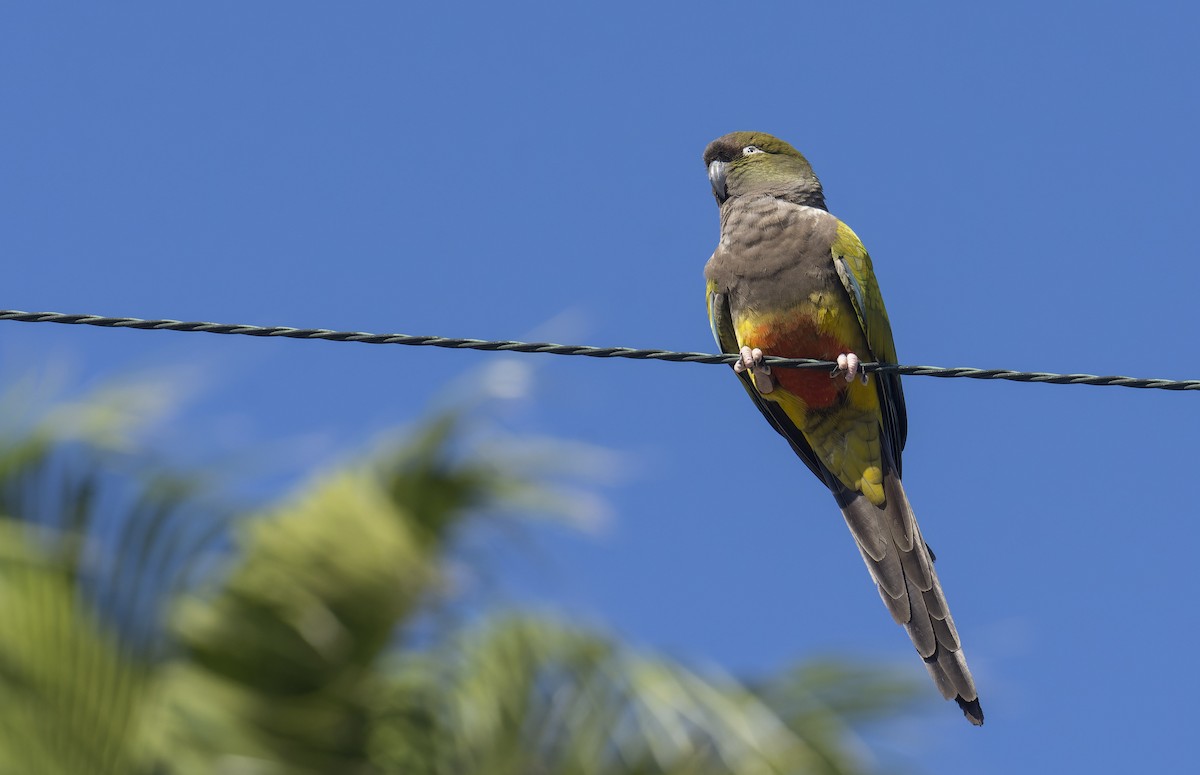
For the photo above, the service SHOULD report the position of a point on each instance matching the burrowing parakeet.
(790, 279)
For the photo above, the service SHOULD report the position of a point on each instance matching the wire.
(591, 352)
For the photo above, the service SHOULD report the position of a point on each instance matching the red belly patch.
(814, 386)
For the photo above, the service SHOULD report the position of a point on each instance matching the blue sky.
(1024, 175)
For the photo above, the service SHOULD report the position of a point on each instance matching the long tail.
(902, 566)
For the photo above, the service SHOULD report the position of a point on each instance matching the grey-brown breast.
(771, 252)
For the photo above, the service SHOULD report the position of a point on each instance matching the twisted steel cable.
(585, 350)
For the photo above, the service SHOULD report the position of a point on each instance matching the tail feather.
(971, 710)
(947, 636)
(918, 572)
(920, 624)
(943, 682)
(898, 606)
(901, 521)
(935, 601)
(902, 566)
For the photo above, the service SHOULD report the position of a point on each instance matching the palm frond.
(525, 694)
(72, 692)
(289, 645)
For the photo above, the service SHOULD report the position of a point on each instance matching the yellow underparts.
(840, 420)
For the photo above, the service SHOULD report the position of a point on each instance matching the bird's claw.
(752, 361)
(847, 364)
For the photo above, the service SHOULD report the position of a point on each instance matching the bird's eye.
(752, 149)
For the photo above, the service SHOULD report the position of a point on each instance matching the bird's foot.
(752, 361)
(847, 365)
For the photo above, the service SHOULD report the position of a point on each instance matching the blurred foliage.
(150, 629)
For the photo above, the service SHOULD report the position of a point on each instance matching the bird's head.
(748, 163)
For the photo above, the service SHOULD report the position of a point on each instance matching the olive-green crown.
(755, 163)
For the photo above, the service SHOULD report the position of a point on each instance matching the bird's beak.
(716, 176)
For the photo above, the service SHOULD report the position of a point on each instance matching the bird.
(790, 279)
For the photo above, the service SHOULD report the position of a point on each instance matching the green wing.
(858, 276)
